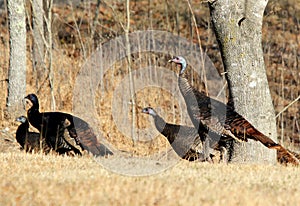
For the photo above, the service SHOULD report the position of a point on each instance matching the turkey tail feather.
(287, 156)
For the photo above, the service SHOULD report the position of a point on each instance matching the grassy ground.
(50, 180)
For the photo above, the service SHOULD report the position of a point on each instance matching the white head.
(21, 119)
(149, 110)
(180, 61)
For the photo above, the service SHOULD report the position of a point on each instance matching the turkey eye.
(177, 58)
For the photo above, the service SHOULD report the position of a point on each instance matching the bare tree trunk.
(238, 24)
(17, 59)
(38, 41)
(48, 42)
(131, 81)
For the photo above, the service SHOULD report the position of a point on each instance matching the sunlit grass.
(35, 179)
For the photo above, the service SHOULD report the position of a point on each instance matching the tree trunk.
(17, 59)
(38, 42)
(238, 24)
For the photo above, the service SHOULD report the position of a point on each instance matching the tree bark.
(17, 59)
(38, 41)
(238, 25)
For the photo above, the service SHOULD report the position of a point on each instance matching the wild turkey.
(53, 124)
(219, 117)
(34, 141)
(30, 141)
(184, 140)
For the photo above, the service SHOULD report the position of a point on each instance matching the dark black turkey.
(219, 117)
(185, 140)
(34, 141)
(30, 141)
(52, 125)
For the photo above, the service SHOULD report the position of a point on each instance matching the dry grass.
(36, 179)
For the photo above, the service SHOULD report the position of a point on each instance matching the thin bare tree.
(38, 41)
(131, 79)
(17, 59)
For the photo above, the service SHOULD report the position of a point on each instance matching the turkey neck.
(159, 123)
(192, 98)
(185, 88)
(163, 128)
(189, 94)
(35, 117)
(21, 133)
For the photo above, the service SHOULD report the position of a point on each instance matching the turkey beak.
(144, 110)
(170, 61)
